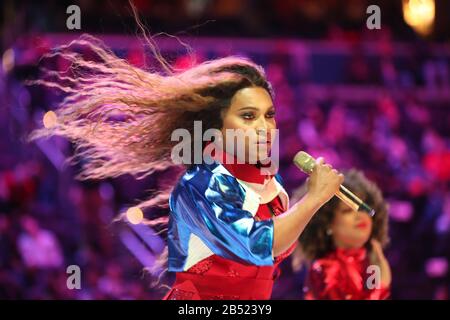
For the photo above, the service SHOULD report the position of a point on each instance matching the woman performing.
(345, 247)
(230, 223)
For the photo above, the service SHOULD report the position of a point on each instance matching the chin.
(358, 242)
(264, 159)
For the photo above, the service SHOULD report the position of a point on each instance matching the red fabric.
(266, 211)
(243, 171)
(341, 275)
(247, 172)
(225, 279)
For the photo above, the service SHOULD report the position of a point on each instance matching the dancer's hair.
(315, 242)
(121, 117)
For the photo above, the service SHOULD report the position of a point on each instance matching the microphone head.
(304, 162)
(364, 207)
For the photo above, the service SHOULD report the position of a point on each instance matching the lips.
(362, 225)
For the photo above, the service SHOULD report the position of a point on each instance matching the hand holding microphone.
(326, 182)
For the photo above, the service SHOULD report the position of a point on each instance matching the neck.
(347, 246)
(254, 173)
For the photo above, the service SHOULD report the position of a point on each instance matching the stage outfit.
(221, 232)
(342, 275)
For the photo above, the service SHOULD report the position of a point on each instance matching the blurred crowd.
(311, 19)
(383, 111)
(47, 225)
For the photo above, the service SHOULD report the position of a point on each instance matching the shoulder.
(206, 180)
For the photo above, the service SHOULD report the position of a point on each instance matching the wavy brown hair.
(314, 241)
(121, 117)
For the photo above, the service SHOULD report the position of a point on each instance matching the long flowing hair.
(120, 117)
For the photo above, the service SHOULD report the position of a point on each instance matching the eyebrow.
(254, 108)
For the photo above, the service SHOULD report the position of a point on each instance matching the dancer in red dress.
(345, 247)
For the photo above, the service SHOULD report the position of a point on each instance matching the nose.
(262, 124)
(262, 127)
(263, 133)
(360, 215)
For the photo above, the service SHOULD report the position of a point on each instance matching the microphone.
(306, 163)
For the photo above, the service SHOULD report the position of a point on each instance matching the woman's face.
(252, 111)
(350, 229)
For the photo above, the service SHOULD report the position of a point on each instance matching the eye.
(270, 114)
(248, 116)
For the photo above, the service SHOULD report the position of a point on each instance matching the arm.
(322, 185)
(377, 258)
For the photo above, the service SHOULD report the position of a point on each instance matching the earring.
(329, 232)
